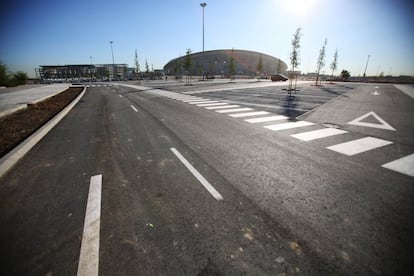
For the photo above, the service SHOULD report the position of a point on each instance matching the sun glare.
(298, 7)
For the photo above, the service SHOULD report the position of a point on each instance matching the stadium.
(218, 62)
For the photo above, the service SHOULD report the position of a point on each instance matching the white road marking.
(133, 107)
(407, 89)
(267, 119)
(194, 100)
(197, 175)
(249, 114)
(359, 145)
(89, 253)
(120, 96)
(203, 102)
(289, 125)
(403, 165)
(223, 107)
(212, 104)
(234, 110)
(318, 134)
(383, 124)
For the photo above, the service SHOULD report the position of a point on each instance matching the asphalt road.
(287, 206)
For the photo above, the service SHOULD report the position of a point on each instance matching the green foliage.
(345, 74)
(3, 75)
(19, 78)
(187, 62)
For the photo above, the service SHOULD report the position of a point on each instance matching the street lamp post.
(366, 66)
(203, 5)
(113, 62)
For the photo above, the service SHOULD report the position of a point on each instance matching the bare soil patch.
(16, 127)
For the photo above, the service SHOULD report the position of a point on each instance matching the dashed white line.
(234, 110)
(120, 96)
(318, 134)
(197, 175)
(360, 145)
(89, 253)
(403, 165)
(289, 125)
(267, 119)
(223, 107)
(249, 114)
(133, 107)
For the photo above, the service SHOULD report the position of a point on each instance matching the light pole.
(113, 62)
(366, 66)
(203, 5)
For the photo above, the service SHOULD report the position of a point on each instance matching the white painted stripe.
(289, 125)
(204, 102)
(194, 100)
(318, 134)
(267, 119)
(403, 165)
(120, 96)
(359, 145)
(197, 175)
(212, 104)
(133, 107)
(223, 107)
(249, 114)
(89, 253)
(234, 110)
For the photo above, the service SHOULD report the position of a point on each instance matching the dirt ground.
(16, 127)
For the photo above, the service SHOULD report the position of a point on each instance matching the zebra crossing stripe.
(222, 107)
(289, 125)
(194, 100)
(360, 145)
(212, 104)
(318, 134)
(234, 110)
(267, 119)
(249, 114)
(403, 165)
(203, 102)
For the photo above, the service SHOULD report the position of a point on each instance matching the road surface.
(217, 182)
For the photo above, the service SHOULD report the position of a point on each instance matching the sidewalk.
(13, 100)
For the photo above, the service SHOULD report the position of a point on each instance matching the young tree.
(136, 62)
(294, 55)
(260, 66)
(232, 65)
(334, 63)
(146, 66)
(321, 60)
(187, 61)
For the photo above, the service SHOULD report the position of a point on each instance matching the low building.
(82, 72)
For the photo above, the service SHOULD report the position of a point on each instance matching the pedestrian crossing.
(99, 85)
(279, 123)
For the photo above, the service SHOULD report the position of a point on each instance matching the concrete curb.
(49, 96)
(12, 110)
(10, 159)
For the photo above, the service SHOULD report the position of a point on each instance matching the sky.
(46, 32)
